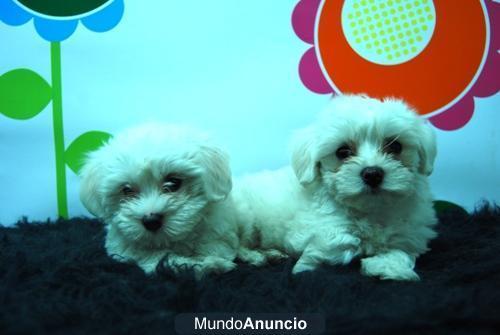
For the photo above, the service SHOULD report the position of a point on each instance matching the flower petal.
(55, 30)
(311, 75)
(303, 18)
(105, 19)
(12, 14)
(488, 83)
(456, 116)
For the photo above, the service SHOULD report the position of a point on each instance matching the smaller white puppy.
(161, 190)
(358, 188)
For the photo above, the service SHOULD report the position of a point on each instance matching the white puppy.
(358, 187)
(161, 191)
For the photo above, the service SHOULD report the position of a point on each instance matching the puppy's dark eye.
(393, 147)
(128, 191)
(171, 184)
(344, 152)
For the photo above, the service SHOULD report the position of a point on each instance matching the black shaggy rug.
(55, 278)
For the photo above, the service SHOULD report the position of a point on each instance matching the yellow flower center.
(388, 32)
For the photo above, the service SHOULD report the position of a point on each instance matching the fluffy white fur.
(321, 211)
(197, 228)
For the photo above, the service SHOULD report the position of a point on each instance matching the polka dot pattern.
(388, 32)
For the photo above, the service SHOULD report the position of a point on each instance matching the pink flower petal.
(303, 18)
(456, 116)
(488, 82)
(311, 75)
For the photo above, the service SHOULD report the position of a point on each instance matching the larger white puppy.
(161, 191)
(358, 187)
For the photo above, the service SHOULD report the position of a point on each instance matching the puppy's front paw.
(217, 264)
(395, 265)
(302, 266)
(274, 255)
(341, 257)
(260, 257)
(343, 249)
(323, 249)
(253, 257)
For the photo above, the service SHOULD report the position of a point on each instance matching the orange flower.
(436, 55)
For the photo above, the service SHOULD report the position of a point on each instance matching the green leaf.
(23, 94)
(83, 144)
(442, 205)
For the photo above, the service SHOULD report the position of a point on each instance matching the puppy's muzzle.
(372, 176)
(152, 222)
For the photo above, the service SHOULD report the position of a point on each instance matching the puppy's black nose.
(152, 222)
(372, 176)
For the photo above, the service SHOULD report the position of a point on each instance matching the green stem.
(57, 121)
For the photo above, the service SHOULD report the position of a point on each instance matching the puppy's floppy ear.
(217, 173)
(304, 163)
(90, 194)
(427, 148)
